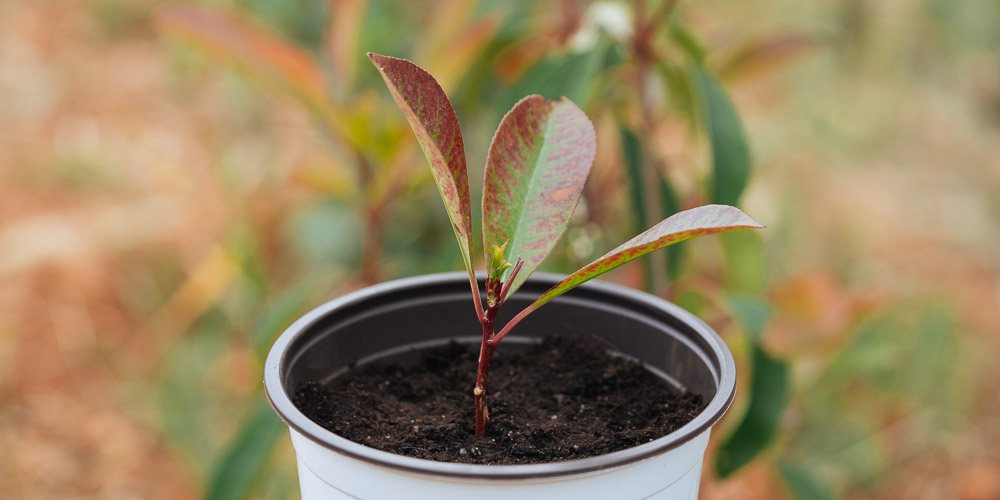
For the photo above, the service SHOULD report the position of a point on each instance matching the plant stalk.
(485, 354)
(488, 320)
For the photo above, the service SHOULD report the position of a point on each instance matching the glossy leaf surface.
(433, 120)
(700, 221)
(537, 165)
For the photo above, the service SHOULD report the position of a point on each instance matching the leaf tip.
(745, 222)
(378, 60)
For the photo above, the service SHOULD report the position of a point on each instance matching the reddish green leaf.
(681, 226)
(539, 160)
(699, 221)
(433, 121)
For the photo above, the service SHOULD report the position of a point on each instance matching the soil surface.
(565, 398)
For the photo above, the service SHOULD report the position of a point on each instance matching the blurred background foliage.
(182, 179)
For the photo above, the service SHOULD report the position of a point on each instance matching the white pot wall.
(366, 324)
(326, 474)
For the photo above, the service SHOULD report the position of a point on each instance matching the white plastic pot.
(398, 318)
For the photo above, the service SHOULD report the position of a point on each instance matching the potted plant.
(537, 164)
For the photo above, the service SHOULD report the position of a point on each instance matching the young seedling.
(536, 167)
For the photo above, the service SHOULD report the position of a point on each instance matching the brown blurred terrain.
(152, 204)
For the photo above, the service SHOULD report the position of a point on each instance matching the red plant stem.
(510, 324)
(510, 280)
(488, 320)
(476, 299)
(485, 354)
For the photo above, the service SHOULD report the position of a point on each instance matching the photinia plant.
(536, 167)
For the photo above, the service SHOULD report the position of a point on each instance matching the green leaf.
(686, 40)
(670, 204)
(680, 91)
(571, 74)
(632, 153)
(281, 313)
(708, 219)
(730, 155)
(769, 387)
(537, 165)
(433, 120)
(751, 312)
(803, 484)
(746, 264)
(239, 467)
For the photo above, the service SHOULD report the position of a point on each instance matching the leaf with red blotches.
(433, 120)
(708, 219)
(538, 161)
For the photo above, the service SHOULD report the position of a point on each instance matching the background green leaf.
(751, 312)
(801, 483)
(670, 204)
(632, 154)
(568, 74)
(238, 468)
(278, 315)
(769, 388)
(730, 154)
(745, 263)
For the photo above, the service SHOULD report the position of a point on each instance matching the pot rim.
(298, 421)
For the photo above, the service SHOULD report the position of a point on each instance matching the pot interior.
(399, 318)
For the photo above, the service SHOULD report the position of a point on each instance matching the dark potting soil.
(565, 398)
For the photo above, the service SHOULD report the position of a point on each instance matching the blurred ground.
(127, 173)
